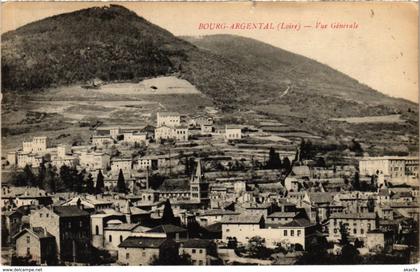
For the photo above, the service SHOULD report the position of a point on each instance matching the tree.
(121, 187)
(371, 205)
(29, 175)
(50, 180)
(274, 161)
(100, 182)
(168, 214)
(287, 166)
(356, 147)
(316, 252)
(90, 188)
(79, 181)
(257, 248)
(41, 173)
(349, 253)
(68, 178)
(356, 182)
(232, 242)
(344, 235)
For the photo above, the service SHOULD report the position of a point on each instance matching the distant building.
(71, 227)
(143, 250)
(135, 137)
(94, 160)
(37, 243)
(11, 222)
(124, 164)
(397, 169)
(243, 226)
(202, 252)
(233, 132)
(116, 232)
(102, 140)
(171, 231)
(37, 145)
(178, 133)
(32, 159)
(357, 224)
(170, 119)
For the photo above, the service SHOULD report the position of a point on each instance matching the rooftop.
(142, 242)
(196, 243)
(166, 229)
(122, 227)
(69, 211)
(283, 214)
(370, 216)
(242, 219)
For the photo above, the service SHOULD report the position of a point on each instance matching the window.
(97, 230)
(127, 255)
(28, 251)
(362, 231)
(40, 215)
(355, 231)
(298, 232)
(227, 230)
(335, 231)
(292, 232)
(285, 232)
(110, 238)
(200, 251)
(143, 254)
(47, 215)
(193, 251)
(200, 262)
(28, 239)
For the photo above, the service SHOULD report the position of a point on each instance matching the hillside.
(116, 45)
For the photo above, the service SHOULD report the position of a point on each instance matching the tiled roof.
(142, 242)
(218, 212)
(353, 216)
(69, 211)
(39, 232)
(320, 197)
(122, 227)
(167, 229)
(283, 214)
(241, 219)
(196, 243)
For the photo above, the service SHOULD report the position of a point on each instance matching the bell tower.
(198, 186)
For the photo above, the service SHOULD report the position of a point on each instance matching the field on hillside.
(69, 114)
(392, 118)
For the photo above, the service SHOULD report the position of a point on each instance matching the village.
(187, 190)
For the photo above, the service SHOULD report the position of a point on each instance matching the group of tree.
(67, 179)
(364, 185)
(274, 161)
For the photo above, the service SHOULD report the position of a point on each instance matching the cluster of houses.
(210, 208)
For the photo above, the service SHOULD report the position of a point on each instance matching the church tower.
(198, 186)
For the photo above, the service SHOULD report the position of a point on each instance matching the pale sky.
(382, 52)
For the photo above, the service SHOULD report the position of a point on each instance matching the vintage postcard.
(209, 133)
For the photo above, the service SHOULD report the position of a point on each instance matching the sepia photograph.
(209, 133)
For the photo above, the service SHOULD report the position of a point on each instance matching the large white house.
(395, 169)
(170, 119)
(179, 133)
(233, 132)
